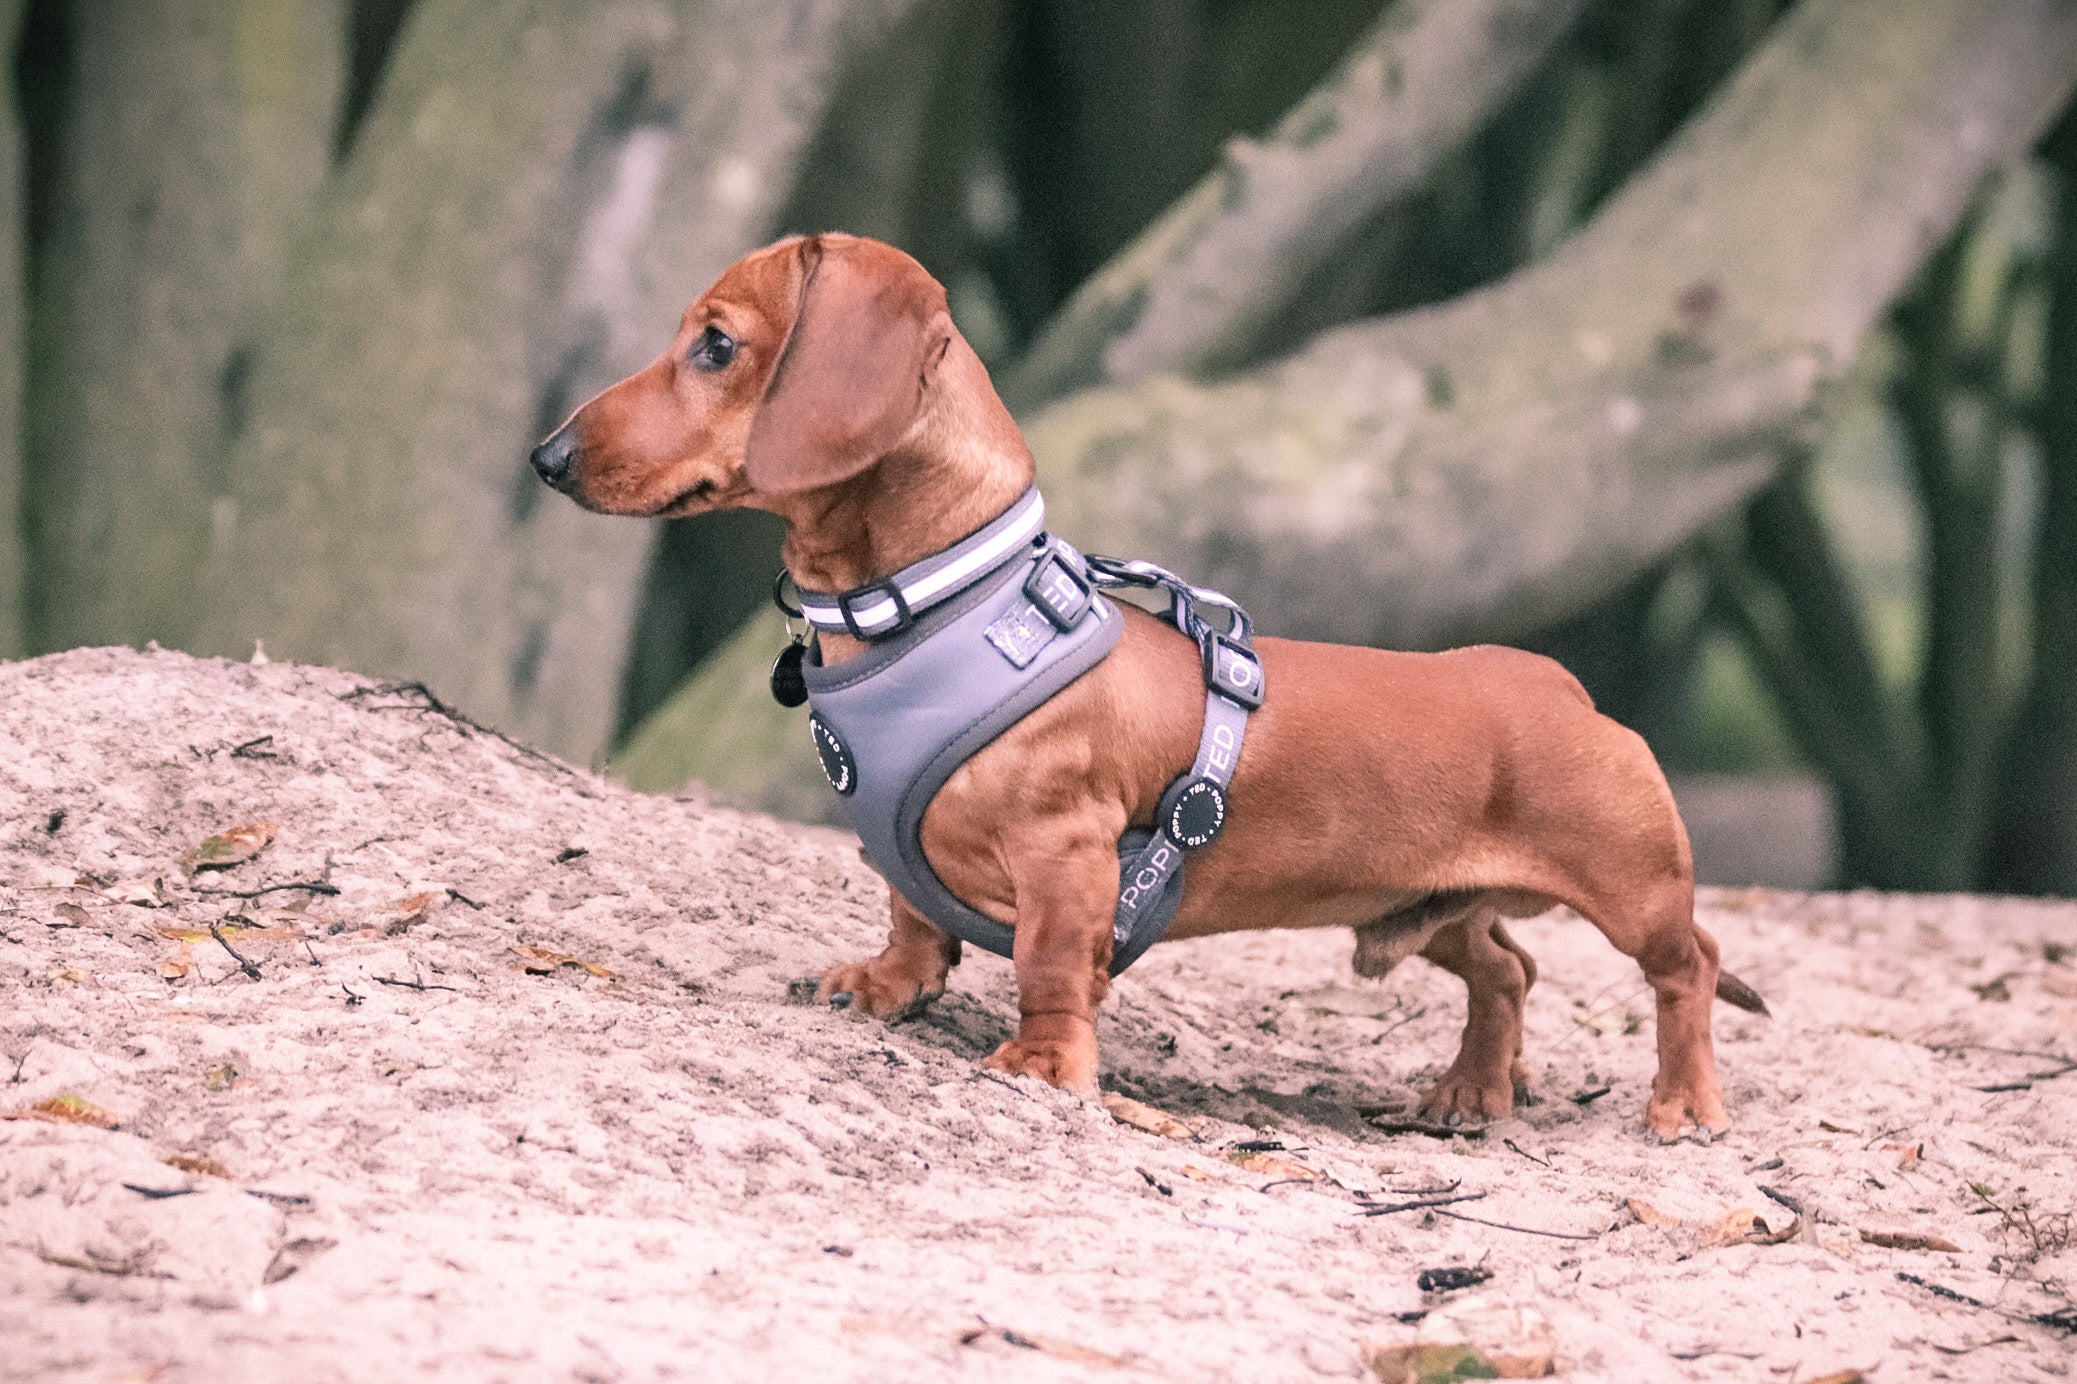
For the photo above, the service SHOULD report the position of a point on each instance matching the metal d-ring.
(786, 608)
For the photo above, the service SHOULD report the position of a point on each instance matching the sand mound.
(517, 1093)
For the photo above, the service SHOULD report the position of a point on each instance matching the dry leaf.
(143, 893)
(71, 975)
(1127, 1111)
(73, 914)
(1907, 1154)
(402, 915)
(65, 1109)
(1732, 1227)
(1839, 1377)
(294, 1255)
(221, 1077)
(1652, 1215)
(196, 1163)
(1197, 1174)
(1910, 1239)
(1273, 1165)
(227, 848)
(178, 965)
(1831, 1128)
(238, 927)
(539, 961)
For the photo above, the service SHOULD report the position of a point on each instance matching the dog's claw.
(1454, 1120)
(840, 1000)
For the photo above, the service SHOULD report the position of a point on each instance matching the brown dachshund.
(1417, 798)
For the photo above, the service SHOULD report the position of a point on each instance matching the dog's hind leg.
(904, 978)
(1497, 974)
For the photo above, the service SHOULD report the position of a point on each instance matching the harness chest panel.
(892, 724)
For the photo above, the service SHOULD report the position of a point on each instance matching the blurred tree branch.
(1495, 463)
(1188, 292)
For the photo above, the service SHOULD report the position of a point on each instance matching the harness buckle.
(1057, 589)
(1233, 670)
(860, 594)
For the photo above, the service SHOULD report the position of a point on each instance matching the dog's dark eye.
(713, 351)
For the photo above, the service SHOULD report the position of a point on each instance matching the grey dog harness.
(963, 645)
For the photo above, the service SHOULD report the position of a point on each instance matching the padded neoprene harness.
(963, 645)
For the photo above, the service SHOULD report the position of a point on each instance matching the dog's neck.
(964, 464)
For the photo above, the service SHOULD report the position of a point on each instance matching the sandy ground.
(408, 1155)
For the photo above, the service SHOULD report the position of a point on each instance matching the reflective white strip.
(1024, 523)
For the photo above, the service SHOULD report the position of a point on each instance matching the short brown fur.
(1417, 798)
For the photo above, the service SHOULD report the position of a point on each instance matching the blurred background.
(1724, 349)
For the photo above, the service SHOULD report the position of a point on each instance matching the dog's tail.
(1733, 991)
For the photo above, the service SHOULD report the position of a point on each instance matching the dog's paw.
(1068, 1065)
(1671, 1113)
(868, 987)
(1460, 1099)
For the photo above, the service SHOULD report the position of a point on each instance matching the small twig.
(459, 897)
(313, 952)
(1429, 1128)
(1522, 1229)
(312, 886)
(1774, 1194)
(2006, 1086)
(1420, 1204)
(1939, 1292)
(159, 1193)
(460, 720)
(415, 984)
(353, 996)
(251, 749)
(19, 1063)
(1589, 1097)
(243, 964)
(1288, 1182)
(1525, 1153)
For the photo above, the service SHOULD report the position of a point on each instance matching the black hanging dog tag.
(789, 688)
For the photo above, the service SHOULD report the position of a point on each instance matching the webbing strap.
(1193, 809)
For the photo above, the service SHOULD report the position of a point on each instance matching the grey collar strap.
(885, 607)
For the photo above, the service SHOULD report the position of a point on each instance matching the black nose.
(552, 459)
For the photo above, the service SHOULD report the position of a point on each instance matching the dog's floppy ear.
(849, 381)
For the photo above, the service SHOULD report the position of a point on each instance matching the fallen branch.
(1420, 1204)
(244, 964)
(460, 720)
(308, 886)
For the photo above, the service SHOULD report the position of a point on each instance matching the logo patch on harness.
(837, 764)
(1018, 635)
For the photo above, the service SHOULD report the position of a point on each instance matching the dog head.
(804, 364)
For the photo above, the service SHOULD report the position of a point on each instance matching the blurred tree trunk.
(13, 331)
(886, 149)
(195, 142)
(2033, 840)
(533, 198)
(1491, 465)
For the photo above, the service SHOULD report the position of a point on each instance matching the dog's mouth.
(686, 500)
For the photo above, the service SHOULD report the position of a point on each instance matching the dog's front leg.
(1066, 899)
(904, 978)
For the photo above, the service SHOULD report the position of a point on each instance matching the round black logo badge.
(1197, 813)
(837, 765)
